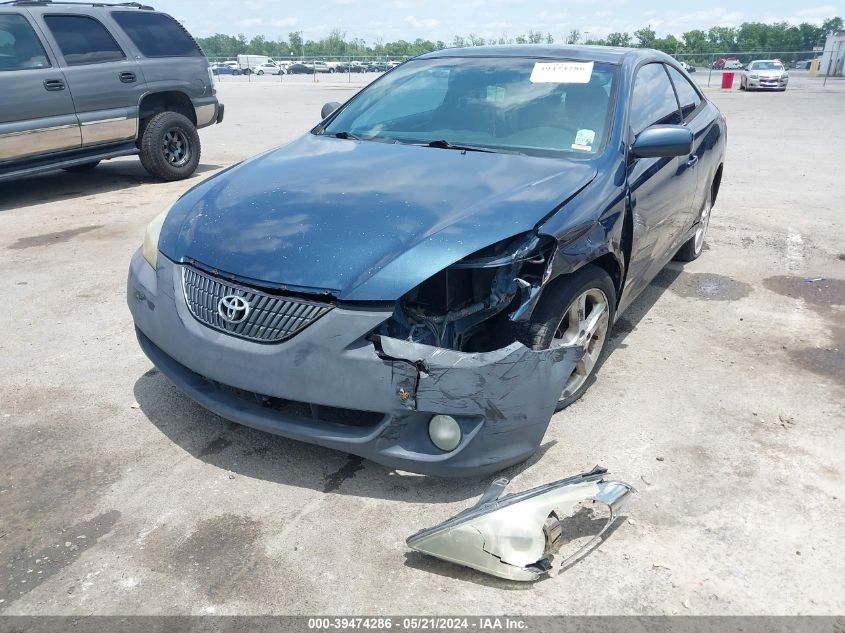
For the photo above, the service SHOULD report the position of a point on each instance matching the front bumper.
(503, 400)
(768, 84)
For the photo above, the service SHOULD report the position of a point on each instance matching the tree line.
(750, 36)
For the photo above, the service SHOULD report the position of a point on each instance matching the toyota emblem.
(233, 309)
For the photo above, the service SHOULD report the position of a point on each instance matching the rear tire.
(589, 296)
(170, 146)
(78, 169)
(694, 246)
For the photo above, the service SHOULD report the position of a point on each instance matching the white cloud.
(421, 23)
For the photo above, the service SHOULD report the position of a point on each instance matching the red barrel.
(727, 81)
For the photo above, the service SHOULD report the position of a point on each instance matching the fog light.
(445, 432)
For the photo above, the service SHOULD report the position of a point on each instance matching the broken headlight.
(516, 536)
(458, 307)
(151, 235)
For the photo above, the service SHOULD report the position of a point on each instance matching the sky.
(443, 19)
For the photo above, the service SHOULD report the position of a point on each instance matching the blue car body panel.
(305, 217)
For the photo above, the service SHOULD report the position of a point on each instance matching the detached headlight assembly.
(150, 249)
(515, 536)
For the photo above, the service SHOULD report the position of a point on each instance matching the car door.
(660, 189)
(107, 86)
(693, 112)
(37, 114)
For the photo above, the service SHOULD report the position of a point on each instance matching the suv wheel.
(76, 169)
(170, 146)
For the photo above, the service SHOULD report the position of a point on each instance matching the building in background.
(833, 57)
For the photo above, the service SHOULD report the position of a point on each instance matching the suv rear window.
(83, 40)
(20, 48)
(157, 34)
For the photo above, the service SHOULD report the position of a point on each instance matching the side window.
(83, 40)
(157, 34)
(20, 48)
(653, 100)
(687, 94)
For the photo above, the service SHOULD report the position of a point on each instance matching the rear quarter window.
(157, 34)
(83, 40)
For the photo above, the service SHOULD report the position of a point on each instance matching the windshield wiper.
(350, 135)
(444, 144)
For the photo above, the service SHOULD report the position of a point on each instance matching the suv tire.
(77, 169)
(551, 316)
(170, 146)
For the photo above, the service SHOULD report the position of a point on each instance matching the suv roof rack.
(37, 3)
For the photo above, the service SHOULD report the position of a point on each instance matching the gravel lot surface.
(721, 400)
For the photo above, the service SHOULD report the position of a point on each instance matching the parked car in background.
(804, 64)
(268, 69)
(687, 67)
(434, 318)
(300, 68)
(226, 68)
(250, 63)
(82, 83)
(764, 74)
(729, 63)
(321, 67)
(350, 67)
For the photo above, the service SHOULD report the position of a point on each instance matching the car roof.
(74, 7)
(607, 54)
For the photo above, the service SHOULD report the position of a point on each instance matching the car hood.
(362, 220)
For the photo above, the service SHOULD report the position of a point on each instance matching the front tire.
(576, 309)
(170, 146)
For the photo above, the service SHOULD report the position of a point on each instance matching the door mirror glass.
(663, 141)
(330, 107)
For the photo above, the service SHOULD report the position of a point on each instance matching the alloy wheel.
(176, 148)
(584, 323)
(703, 223)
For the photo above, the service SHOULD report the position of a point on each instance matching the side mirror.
(330, 107)
(663, 141)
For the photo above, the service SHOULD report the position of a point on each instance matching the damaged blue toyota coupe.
(434, 316)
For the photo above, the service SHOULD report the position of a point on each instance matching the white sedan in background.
(267, 69)
(764, 74)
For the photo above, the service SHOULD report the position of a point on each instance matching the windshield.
(540, 107)
(765, 66)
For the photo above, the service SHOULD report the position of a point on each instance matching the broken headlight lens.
(150, 248)
(515, 536)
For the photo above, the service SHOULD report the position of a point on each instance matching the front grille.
(270, 318)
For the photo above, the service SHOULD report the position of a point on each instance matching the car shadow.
(632, 316)
(62, 185)
(244, 451)
(252, 453)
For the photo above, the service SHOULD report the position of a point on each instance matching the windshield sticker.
(561, 72)
(584, 140)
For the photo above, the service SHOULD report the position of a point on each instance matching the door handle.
(693, 160)
(54, 84)
(127, 78)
